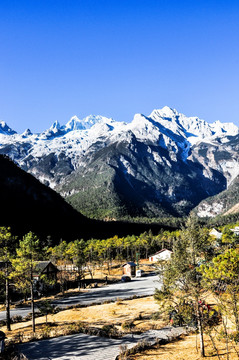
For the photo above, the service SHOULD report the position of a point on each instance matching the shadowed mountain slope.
(28, 205)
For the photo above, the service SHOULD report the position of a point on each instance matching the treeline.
(114, 248)
(222, 220)
(174, 222)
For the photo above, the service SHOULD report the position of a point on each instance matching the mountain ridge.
(154, 164)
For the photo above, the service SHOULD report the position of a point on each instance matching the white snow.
(164, 127)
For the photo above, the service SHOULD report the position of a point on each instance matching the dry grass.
(137, 310)
(185, 349)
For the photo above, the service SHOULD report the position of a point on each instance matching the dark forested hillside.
(28, 205)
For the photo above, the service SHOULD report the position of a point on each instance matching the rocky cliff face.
(161, 164)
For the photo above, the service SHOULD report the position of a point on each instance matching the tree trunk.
(235, 309)
(33, 308)
(8, 318)
(200, 329)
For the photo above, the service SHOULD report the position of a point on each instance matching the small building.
(235, 230)
(160, 255)
(129, 268)
(45, 268)
(215, 233)
(45, 276)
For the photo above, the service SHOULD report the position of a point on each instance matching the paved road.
(73, 347)
(138, 286)
(85, 347)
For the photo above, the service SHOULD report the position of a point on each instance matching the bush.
(156, 315)
(11, 353)
(128, 325)
(110, 331)
(16, 319)
(57, 309)
(3, 323)
(46, 331)
(28, 317)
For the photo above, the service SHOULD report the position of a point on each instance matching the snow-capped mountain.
(164, 163)
(5, 129)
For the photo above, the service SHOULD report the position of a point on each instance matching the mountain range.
(158, 165)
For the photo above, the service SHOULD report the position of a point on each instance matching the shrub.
(16, 318)
(128, 325)
(156, 315)
(3, 323)
(110, 330)
(56, 310)
(107, 302)
(28, 316)
(46, 331)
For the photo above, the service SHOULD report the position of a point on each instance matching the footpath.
(85, 347)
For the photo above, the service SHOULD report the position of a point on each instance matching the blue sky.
(60, 58)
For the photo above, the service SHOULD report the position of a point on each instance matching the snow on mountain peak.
(26, 133)
(55, 126)
(165, 112)
(5, 129)
(162, 126)
(74, 124)
(91, 120)
(86, 123)
(228, 128)
(193, 128)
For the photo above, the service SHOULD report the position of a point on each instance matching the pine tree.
(25, 266)
(221, 275)
(6, 251)
(181, 280)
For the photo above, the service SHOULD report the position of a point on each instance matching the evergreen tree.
(7, 242)
(221, 275)
(25, 265)
(75, 253)
(181, 280)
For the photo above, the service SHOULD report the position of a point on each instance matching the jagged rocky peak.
(192, 126)
(91, 120)
(5, 129)
(165, 112)
(222, 128)
(84, 124)
(74, 124)
(55, 126)
(26, 133)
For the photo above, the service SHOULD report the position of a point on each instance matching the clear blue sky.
(60, 58)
